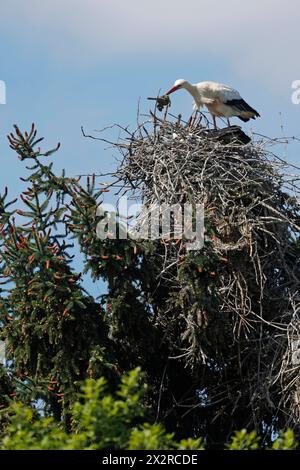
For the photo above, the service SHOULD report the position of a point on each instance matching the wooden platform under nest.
(232, 134)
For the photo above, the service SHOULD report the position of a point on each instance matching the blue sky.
(69, 63)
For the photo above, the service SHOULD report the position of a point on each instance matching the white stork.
(221, 100)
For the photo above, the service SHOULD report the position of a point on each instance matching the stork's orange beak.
(174, 88)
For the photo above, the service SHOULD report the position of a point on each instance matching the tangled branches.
(230, 310)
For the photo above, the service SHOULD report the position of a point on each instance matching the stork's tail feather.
(247, 112)
(244, 118)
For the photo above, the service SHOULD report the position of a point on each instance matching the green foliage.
(26, 431)
(242, 440)
(285, 441)
(55, 333)
(100, 420)
(150, 436)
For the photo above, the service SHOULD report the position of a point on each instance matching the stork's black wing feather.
(241, 105)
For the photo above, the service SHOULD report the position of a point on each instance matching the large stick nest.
(242, 319)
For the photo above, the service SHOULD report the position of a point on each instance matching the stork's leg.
(228, 122)
(198, 122)
(192, 119)
(214, 121)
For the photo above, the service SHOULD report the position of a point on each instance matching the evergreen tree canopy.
(213, 330)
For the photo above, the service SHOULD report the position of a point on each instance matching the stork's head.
(177, 85)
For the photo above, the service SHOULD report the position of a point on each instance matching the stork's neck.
(192, 89)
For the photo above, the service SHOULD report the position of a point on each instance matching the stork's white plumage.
(221, 100)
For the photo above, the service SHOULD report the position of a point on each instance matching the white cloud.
(259, 39)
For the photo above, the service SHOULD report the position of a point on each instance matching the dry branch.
(249, 319)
